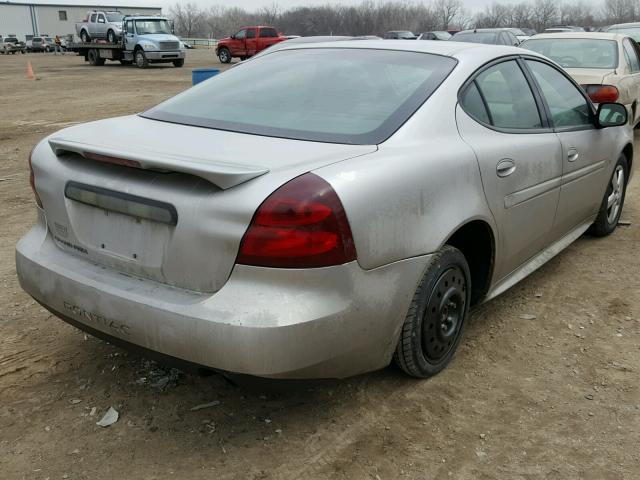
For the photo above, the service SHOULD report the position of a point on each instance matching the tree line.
(375, 18)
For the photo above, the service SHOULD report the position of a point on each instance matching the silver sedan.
(325, 208)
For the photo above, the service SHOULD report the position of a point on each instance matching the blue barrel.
(201, 74)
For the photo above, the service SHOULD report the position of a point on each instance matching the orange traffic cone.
(30, 74)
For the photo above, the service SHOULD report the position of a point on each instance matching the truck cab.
(149, 39)
(246, 42)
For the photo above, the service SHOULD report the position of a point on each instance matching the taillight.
(32, 181)
(601, 93)
(301, 225)
(113, 160)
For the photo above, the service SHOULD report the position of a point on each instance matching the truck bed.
(80, 46)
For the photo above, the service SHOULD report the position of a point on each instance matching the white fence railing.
(201, 42)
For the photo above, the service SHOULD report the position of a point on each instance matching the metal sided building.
(53, 17)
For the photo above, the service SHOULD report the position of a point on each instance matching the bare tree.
(187, 18)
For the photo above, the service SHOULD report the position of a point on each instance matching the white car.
(606, 65)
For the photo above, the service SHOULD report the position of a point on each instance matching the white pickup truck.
(100, 25)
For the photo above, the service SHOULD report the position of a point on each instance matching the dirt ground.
(555, 397)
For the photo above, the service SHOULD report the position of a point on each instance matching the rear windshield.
(355, 96)
(479, 37)
(577, 52)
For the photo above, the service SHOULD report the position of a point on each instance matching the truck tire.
(178, 63)
(84, 36)
(140, 58)
(94, 58)
(111, 37)
(224, 55)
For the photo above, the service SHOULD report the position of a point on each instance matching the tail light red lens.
(601, 93)
(301, 225)
(32, 182)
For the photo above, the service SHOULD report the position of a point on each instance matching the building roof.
(107, 4)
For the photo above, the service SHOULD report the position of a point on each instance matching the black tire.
(140, 59)
(224, 55)
(437, 315)
(613, 201)
(84, 36)
(92, 57)
(178, 63)
(111, 37)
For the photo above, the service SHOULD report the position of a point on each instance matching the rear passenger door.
(92, 24)
(502, 118)
(585, 149)
(630, 78)
(268, 36)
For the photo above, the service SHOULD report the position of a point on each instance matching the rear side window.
(268, 33)
(631, 56)
(507, 95)
(473, 104)
(568, 106)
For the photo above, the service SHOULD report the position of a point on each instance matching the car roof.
(582, 35)
(626, 25)
(483, 30)
(458, 50)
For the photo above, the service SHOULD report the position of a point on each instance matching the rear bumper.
(164, 56)
(317, 323)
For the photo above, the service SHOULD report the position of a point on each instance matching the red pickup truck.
(247, 42)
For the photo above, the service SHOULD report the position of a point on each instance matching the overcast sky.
(284, 4)
(471, 5)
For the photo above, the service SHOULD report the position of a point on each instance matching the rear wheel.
(435, 321)
(178, 63)
(84, 36)
(141, 59)
(93, 56)
(224, 55)
(613, 201)
(111, 36)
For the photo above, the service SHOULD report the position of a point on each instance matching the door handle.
(505, 167)
(572, 155)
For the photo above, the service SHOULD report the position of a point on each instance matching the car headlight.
(148, 46)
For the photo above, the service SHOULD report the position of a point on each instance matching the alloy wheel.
(614, 200)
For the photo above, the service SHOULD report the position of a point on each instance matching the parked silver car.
(346, 208)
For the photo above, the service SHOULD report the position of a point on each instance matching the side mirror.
(611, 115)
(233, 37)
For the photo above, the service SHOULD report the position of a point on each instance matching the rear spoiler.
(222, 174)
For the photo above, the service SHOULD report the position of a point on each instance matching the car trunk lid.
(161, 201)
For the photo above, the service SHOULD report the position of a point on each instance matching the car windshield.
(577, 52)
(633, 32)
(146, 27)
(114, 17)
(11, 40)
(360, 96)
(478, 37)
